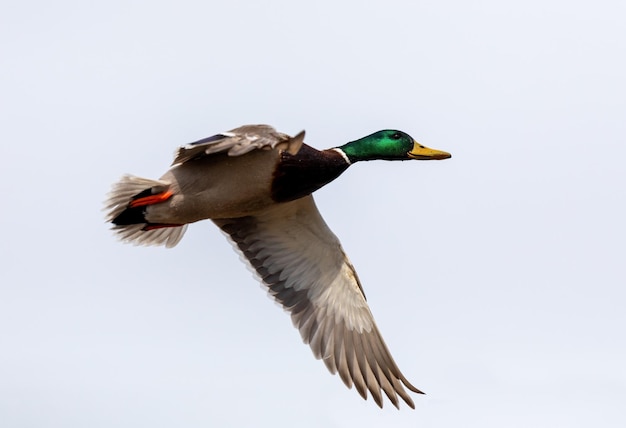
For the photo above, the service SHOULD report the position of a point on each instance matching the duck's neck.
(364, 149)
(302, 174)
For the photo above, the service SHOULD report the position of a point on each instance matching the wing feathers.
(240, 141)
(305, 269)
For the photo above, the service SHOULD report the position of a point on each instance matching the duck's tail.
(126, 209)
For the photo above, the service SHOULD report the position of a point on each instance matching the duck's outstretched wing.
(305, 268)
(240, 141)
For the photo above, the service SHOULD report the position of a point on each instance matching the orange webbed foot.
(151, 199)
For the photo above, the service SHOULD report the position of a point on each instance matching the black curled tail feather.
(133, 215)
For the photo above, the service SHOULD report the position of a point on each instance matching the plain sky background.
(496, 277)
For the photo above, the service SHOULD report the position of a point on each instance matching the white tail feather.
(134, 234)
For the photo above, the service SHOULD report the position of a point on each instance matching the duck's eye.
(396, 136)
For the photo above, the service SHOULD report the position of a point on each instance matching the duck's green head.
(389, 145)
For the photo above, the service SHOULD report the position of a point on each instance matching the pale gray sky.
(497, 277)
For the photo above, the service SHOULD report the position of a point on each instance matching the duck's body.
(207, 188)
(256, 185)
(225, 184)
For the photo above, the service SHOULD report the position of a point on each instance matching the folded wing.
(239, 141)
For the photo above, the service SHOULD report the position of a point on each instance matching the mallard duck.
(255, 184)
